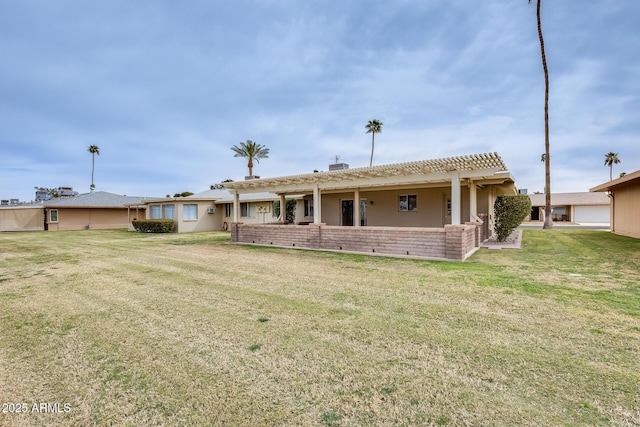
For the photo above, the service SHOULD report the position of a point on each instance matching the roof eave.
(623, 180)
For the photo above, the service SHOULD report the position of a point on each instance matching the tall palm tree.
(93, 149)
(548, 222)
(251, 151)
(611, 159)
(373, 127)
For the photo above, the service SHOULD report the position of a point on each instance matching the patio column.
(455, 197)
(473, 201)
(236, 206)
(283, 209)
(356, 207)
(316, 204)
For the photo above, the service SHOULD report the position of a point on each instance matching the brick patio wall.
(453, 242)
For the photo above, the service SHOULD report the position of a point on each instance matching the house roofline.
(623, 180)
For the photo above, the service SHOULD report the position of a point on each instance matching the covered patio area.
(440, 208)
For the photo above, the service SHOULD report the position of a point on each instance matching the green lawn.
(118, 328)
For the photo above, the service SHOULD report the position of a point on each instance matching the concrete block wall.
(461, 240)
(452, 242)
(421, 242)
(277, 235)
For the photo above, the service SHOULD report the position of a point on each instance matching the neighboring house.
(22, 218)
(212, 210)
(625, 203)
(581, 208)
(441, 208)
(96, 210)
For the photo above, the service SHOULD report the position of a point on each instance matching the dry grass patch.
(132, 329)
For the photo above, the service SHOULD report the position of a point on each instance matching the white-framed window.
(155, 212)
(407, 202)
(308, 207)
(169, 212)
(53, 215)
(227, 210)
(190, 212)
(245, 209)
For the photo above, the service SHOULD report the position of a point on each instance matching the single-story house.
(440, 208)
(624, 193)
(212, 210)
(582, 208)
(95, 210)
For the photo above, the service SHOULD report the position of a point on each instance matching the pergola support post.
(317, 208)
(356, 207)
(236, 207)
(283, 209)
(455, 198)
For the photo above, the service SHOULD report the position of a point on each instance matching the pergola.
(473, 170)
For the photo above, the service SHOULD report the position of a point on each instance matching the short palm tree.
(611, 159)
(251, 151)
(93, 149)
(373, 127)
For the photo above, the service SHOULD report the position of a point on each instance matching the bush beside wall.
(154, 225)
(510, 210)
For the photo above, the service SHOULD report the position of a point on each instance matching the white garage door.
(591, 214)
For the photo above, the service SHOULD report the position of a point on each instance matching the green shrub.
(510, 210)
(154, 225)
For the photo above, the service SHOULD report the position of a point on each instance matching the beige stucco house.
(212, 210)
(625, 203)
(96, 210)
(440, 208)
(582, 207)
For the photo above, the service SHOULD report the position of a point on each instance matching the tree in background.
(548, 223)
(373, 127)
(93, 149)
(611, 159)
(251, 151)
(220, 186)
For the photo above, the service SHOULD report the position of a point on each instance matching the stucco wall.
(88, 218)
(204, 222)
(626, 208)
(383, 207)
(260, 213)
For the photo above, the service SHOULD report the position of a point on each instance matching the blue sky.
(165, 89)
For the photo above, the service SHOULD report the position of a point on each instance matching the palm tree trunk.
(548, 222)
(93, 157)
(611, 172)
(373, 134)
